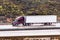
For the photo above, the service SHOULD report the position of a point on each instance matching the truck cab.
(18, 20)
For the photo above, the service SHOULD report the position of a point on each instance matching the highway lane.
(5, 30)
(30, 33)
(32, 27)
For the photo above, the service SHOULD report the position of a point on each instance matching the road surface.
(9, 30)
(32, 27)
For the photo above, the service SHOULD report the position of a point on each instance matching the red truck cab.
(18, 20)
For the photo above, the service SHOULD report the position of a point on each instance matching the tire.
(26, 24)
(50, 23)
(14, 24)
(47, 23)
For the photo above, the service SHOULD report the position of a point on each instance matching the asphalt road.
(33, 30)
(32, 27)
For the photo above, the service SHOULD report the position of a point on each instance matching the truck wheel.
(26, 24)
(14, 24)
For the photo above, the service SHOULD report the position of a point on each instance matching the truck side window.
(19, 20)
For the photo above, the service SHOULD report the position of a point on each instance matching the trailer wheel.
(47, 23)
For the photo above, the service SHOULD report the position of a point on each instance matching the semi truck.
(37, 19)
